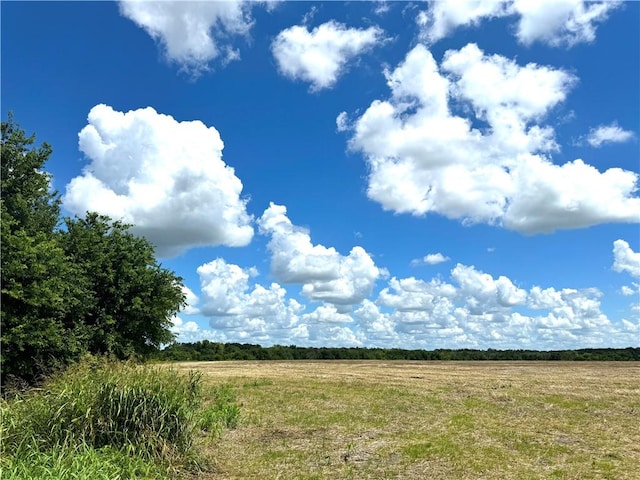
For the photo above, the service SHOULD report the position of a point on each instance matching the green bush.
(151, 413)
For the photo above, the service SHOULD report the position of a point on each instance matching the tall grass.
(114, 410)
(81, 463)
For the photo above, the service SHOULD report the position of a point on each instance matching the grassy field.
(409, 420)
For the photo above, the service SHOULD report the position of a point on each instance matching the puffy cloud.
(192, 300)
(250, 312)
(189, 332)
(477, 310)
(375, 327)
(560, 22)
(324, 273)
(608, 134)
(321, 335)
(500, 90)
(477, 293)
(239, 311)
(633, 290)
(484, 293)
(411, 294)
(165, 177)
(555, 22)
(473, 310)
(192, 34)
(430, 259)
(625, 259)
(327, 314)
(550, 197)
(424, 158)
(320, 56)
(443, 17)
(185, 331)
(342, 122)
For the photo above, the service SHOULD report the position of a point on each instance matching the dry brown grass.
(417, 420)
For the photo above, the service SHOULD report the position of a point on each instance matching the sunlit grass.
(415, 420)
(81, 463)
(110, 420)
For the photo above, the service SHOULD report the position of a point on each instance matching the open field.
(411, 420)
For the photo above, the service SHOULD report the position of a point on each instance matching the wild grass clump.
(222, 412)
(82, 463)
(150, 413)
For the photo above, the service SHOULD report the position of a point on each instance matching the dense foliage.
(71, 286)
(211, 351)
(128, 299)
(124, 420)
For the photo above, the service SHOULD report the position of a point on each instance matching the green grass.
(441, 420)
(82, 463)
(101, 419)
(442, 446)
(222, 412)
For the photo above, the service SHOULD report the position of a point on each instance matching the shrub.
(151, 413)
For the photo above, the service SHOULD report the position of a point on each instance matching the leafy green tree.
(38, 287)
(129, 298)
(90, 286)
(27, 198)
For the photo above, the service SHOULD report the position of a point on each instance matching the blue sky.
(401, 174)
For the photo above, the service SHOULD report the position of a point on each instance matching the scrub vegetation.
(110, 420)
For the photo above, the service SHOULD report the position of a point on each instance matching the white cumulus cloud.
(324, 273)
(477, 310)
(554, 22)
(625, 259)
(325, 314)
(430, 259)
(242, 310)
(191, 299)
(491, 163)
(321, 55)
(192, 33)
(165, 177)
(474, 309)
(185, 331)
(560, 22)
(484, 293)
(443, 17)
(376, 327)
(608, 134)
(416, 295)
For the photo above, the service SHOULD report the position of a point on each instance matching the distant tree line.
(213, 351)
(71, 286)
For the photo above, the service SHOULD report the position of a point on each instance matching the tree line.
(214, 351)
(71, 286)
